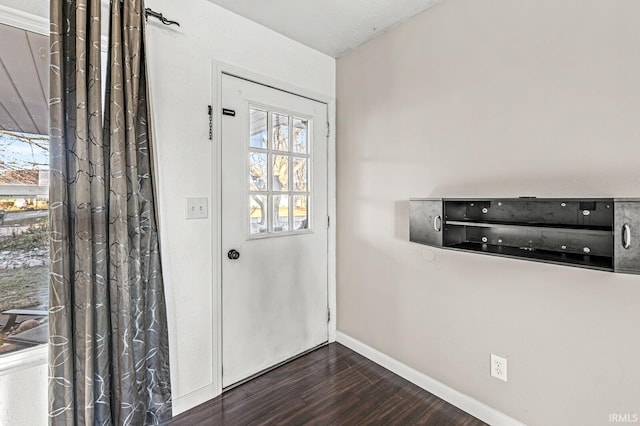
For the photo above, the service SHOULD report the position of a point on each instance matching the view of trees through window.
(24, 241)
(24, 188)
(278, 199)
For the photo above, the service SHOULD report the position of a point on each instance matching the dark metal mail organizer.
(595, 233)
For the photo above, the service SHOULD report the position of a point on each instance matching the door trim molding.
(219, 68)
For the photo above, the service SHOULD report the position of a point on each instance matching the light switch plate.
(197, 208)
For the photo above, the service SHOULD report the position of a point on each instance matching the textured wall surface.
(493, 98)
(23, 397)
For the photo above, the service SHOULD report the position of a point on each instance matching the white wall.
(180, 62)
(181, 83)
(23, 396)
(493, 98)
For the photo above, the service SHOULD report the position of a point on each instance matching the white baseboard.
(466, 403)
(193, 399)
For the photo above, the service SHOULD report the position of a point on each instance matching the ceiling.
(24, 81)
(333, 27)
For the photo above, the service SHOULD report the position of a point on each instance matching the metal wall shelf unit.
(595, 233)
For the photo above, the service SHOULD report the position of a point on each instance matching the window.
(279, 160)
(24, 163)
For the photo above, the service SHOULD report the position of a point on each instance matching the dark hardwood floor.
(330, 386)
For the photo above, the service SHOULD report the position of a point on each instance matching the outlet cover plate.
(498, 367)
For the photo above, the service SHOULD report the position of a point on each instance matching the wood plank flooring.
(330, 386)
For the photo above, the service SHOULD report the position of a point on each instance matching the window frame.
(37, 355)
(24, 359)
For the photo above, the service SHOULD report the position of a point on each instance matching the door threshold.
(273, 367)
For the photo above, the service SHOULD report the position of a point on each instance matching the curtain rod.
(154, 14)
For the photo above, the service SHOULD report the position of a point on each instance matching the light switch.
(197, 208)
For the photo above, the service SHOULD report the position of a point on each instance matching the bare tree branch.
(34, 140)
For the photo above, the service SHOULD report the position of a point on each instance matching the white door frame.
(219, 68)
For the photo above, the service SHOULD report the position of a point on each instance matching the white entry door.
(274, 227)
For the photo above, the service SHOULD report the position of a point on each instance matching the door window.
(279, 185)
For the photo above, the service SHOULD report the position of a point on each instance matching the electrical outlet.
(498, 367)
(197, 208)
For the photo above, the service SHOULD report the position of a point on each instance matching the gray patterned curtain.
(108, 346)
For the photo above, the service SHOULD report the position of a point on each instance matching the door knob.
(233, 254)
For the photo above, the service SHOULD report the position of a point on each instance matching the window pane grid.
(258, 131)
(279, 191)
